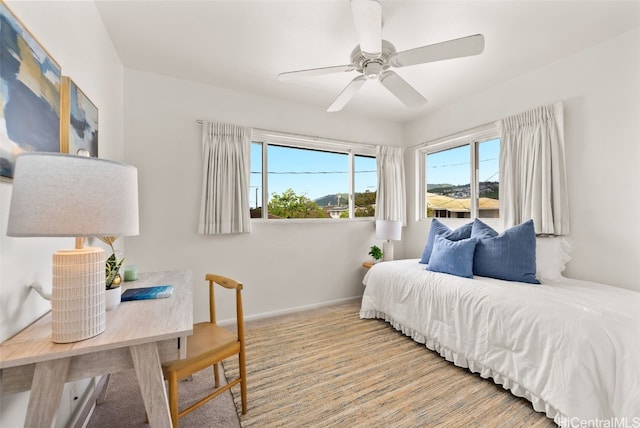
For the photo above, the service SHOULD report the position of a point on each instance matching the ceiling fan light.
(372, 70)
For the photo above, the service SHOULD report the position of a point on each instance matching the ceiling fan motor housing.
(372, 67)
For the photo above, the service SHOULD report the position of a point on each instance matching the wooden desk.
(139, 334)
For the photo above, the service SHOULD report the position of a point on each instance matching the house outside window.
(459, 176)
(294, 177)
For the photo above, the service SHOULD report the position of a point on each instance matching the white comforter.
(572, 348)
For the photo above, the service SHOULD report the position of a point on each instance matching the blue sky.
(452, 166)
(309, 172)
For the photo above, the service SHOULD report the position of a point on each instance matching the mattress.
(571, 347)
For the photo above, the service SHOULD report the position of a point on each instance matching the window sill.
(312, 220)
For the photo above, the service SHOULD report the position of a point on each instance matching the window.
(448, 182)
(460, 176)
(488, 178)
(365, 185)
(300, 178)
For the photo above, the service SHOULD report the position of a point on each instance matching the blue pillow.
(437, 228)
(510, 255)
(453, 257)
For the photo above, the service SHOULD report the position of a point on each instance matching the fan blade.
(347, 93)
(465, 46)
(401, 89)
(367, 17)
(316, 71)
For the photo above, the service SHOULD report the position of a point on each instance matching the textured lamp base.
(77, 296)
(387, 251)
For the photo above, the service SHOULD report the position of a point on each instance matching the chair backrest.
(230, 284)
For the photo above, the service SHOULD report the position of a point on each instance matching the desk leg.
(46, 392)
(149, 371)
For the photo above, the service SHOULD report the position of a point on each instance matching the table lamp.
(390, 231)
(59, 195)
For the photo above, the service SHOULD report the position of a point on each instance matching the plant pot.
(112, 298)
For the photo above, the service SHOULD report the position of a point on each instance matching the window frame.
(473, 138)
(295, 141)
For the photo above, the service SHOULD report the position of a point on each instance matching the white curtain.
(533, 182)
(224, 206)
(391, 198)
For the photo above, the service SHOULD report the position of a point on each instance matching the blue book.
(144, 293)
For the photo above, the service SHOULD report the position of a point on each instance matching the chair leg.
(216, 375)
(243, 380)
(173, 398)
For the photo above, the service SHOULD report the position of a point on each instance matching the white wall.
(283, 265)
(292, 264)
(73, 34)
(600, 90)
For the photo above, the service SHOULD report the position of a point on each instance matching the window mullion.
(474, 186)
(352, 193)
(421, 186)
(265, 182)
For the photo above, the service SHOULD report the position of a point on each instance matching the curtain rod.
(264, 131)
(457, 135)
(466, 132)
(304, 137)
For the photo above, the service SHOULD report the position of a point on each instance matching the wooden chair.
(208, 346)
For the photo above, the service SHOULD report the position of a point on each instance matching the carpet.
(124, 407)
(335, 370)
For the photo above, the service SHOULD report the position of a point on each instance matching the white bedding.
(572, 347)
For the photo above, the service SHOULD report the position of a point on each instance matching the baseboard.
(289, 311)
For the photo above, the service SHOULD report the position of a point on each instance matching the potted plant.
(112, 274)
(375, 252)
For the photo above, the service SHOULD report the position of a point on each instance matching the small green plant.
(112, 272)
(375, 252)
(112, 265)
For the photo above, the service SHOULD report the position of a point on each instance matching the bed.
(571, 347)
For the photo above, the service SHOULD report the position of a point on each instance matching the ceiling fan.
(374, 57)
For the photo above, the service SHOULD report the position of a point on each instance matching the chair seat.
(208, 342)
(208, 338)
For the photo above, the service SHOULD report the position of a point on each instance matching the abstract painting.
(79, 121)
(29, 94)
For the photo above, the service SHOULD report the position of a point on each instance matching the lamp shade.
(389, 229)
(65, 195)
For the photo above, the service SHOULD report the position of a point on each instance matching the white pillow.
(552, 253)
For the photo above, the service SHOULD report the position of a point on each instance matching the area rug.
(335, 370)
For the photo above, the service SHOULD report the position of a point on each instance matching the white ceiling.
(245, 44)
